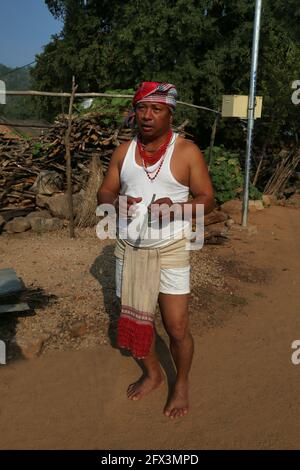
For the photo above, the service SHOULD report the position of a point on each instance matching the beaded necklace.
(155, 157)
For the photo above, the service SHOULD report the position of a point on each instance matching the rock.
(281, 201)
(41, 200)
(266, 199)
(58, 205)
(233, 207)
(40, 224)
(48, 182)
(44, 213)
(31, 347)
(78, 329)
(229, 222)
(294, 200)
(255, 205)
(18, 225)
(269, 199)
(2, 221)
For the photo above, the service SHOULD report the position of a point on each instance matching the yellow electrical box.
(237, 106)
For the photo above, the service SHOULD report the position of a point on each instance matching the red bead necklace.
(151, 178)
(151, 159)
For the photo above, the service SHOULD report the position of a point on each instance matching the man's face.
(153, 119)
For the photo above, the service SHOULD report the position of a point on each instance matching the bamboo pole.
(68, 161)
(94, 95)
(65, 95)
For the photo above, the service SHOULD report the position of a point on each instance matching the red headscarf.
(165, 93)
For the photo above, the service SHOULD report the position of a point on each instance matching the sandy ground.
(244, 318)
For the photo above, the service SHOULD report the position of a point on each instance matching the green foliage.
(37, 148)
(254, 193)
(225, 172)
(203, 46)
(111, 109)
(227, 176)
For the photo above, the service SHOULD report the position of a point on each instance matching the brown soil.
(244, 317)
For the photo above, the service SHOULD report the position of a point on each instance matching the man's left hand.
(161, 208)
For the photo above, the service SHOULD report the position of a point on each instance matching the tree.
(203, 46)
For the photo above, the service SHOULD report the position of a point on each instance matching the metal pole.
(251, 106)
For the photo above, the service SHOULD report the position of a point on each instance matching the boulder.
(269, 200)
(233, 207)
(41, 200)
(48, 182)
(294, 200)
(255, 205)
(18, 225)
(40, 224)
(229, 222)
(58, 204)
(44, 213)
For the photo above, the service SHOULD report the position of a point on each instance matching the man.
(156, 169)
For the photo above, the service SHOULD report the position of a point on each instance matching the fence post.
(68, 161)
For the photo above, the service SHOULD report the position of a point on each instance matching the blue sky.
(25, 27)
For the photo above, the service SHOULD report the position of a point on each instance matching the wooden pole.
(212, 139)
(91, 95)
(263, 153)
(62, 107)
(68, 161)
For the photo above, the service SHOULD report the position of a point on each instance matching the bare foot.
(143, 386)
(177, 405)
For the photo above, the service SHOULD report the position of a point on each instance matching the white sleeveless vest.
(135, 183)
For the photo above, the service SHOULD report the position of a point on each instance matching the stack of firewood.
(17, 173)
(21, 161)
(89, 137)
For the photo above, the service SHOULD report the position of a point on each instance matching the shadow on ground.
(35, 298)
(103, 270)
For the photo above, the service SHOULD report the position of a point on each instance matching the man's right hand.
(124, 207)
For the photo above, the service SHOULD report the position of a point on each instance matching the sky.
(25, 27)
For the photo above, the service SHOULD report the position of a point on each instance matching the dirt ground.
(244, 317)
